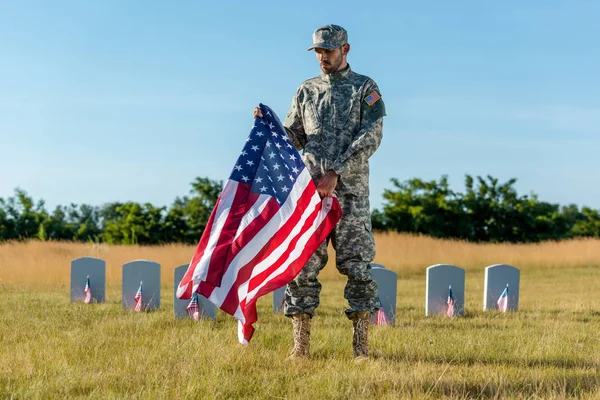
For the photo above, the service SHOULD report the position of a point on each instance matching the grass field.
(550, 349)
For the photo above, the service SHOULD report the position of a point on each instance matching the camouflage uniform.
(337, 120)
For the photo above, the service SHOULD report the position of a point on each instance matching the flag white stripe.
(259, 240)
(279, 250)
(294, 254)
(223, 208)
(276, 253)
(283, 246)
(253, 212)
(241, 337)
(239, 315)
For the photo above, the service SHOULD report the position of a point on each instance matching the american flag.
(503, 300)
(380, 318)
(267, 222)
(372, 98)
(450, 311)
(88, 291)
(138, 299)
(193, 309)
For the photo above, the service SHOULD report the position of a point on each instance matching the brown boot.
(360, 339)
(301, 323)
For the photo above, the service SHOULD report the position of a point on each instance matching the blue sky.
(131, 100)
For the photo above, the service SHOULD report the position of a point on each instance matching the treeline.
(486, 212)
(114, 223)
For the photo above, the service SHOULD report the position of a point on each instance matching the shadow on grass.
(470, 361)
(570, 386)
(567, 383)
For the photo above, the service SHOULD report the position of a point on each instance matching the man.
(336, 119)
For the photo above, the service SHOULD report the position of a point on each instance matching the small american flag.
(450, 311)
(503, 300)
(372, 98)
(88, 291)
(380, 318)
(193, 308)
(268, 221)
(138, 299)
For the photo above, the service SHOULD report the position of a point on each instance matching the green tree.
(589, 225)
(133, 223)
(188, 216)
(419, 206)
(24, 215)
(488, 211)
(6, 224)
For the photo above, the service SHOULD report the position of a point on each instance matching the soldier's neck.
(341, 73)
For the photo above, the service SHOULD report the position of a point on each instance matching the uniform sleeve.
(368, 138)
(293, 124)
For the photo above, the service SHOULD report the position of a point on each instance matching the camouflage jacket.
(337, 120)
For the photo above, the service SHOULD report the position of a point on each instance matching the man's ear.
(345, 49)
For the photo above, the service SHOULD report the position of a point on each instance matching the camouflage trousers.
(354, 247)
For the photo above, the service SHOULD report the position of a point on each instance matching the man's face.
(329, 60)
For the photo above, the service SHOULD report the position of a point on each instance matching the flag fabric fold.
(88, 291)
(503, 300)
(267, 222)
(450, 310)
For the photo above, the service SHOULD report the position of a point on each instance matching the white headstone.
(439, 278)
(95, 268)
(495, 281)
(387, 284)
(278, 299)
(147, 272)
(207, 309)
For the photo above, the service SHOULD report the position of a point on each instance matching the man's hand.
(257, 112)
(327, 184)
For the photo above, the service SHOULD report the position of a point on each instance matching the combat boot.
(360, 338)
(301, 324)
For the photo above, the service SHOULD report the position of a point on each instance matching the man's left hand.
(327, 184)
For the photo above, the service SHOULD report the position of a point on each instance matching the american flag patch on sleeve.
(372, 98)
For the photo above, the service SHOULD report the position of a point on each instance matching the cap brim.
(323, 45)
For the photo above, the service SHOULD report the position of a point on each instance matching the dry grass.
(49, 263)
(550, 349)
(408, 255)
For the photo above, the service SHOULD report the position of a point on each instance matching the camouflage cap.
(329, 37)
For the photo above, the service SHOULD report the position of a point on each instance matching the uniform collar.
(336, 76)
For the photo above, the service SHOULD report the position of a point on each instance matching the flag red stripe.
(246, 236)
(254, 246)
(198, 269)
(280, 237)
(231, 302)
(320, 234)
(238, 208)
(187, 278)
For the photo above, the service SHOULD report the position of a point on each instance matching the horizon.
(116, 102)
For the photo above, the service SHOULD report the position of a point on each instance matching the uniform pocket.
(344, 114)
(312, 120)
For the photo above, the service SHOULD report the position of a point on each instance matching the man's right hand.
(258, 112)
(327, 184)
